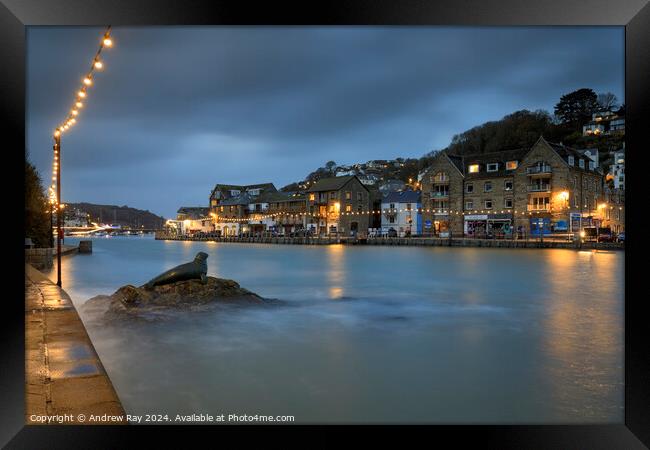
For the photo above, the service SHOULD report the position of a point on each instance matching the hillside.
(120, 215)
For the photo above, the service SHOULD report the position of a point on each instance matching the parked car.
(605, 235)
(621, 237)
(392, 232)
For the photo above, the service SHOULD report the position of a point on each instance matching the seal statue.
(196, 269)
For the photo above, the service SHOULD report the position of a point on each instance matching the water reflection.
(582, 333)
(433, 335)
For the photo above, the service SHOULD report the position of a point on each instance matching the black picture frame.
(634, 15)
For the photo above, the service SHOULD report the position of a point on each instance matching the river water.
(370, 334)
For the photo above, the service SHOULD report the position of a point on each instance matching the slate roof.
(402, 197)
(194, 212)
(331, 184)
(267, 187)
(278, 197)
(483, 159)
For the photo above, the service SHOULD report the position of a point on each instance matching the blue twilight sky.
(179, 109)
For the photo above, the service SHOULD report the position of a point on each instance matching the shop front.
(440, 225)
(488, 225)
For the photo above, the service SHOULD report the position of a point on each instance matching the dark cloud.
(178, 109)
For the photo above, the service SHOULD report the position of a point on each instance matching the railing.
(546, 207)
(439, 194)
(544, 187)
(538, 169)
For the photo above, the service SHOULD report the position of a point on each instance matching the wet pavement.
(64, 376)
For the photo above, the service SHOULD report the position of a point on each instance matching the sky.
(177, 110)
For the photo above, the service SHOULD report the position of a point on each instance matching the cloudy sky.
(179, 109)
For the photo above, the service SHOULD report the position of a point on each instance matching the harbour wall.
(412, 241)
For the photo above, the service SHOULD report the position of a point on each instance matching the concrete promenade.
(64, 379)
(413, 241)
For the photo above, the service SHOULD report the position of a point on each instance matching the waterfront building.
(547, 187)
(192, 219)
(288, 211)
(225, 191)
(401, 211)
(338, 205)
(563, 189)
(612, 210)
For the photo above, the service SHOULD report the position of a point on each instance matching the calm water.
(371, 334)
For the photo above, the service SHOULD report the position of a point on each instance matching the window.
(332, 195)
(222, 209)
(440, 177)
(348, 195)
(392, 206)
(507, 203)
(581, 163)
(348, 208)
(473, 168)
(571, 161)
(214, 202)
(359, 196)
(312, 197)
(493, 167)
(391, 219)
(488, 204)
(511, 165)
(487, 187)
(507, 185)
(469, 188)
(408, 206)
(592, 165)
(469, 204)
(439, 204)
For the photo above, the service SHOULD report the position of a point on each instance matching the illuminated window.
(511, 165)
(348, 208)
(312, 197)
(348, 195)
(473, 168)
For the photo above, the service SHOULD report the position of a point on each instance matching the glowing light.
(79, 104)
(99, 65)
(81, 93)
(88, 81)
(75, 112)
(108, 42)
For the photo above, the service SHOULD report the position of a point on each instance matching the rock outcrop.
(162, 300)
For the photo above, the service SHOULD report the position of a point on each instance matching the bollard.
(85, 246)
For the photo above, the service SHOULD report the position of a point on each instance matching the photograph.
(324, 225)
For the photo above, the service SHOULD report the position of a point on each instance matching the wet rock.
(182, 295)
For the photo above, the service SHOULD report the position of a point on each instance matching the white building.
(401, 212)
(617, 169)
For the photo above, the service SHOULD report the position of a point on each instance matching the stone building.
(287, 210)
(560, 190)
(338, 205)
(223, 192)
(547, 186)
(612, 210)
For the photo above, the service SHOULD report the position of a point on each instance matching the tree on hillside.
(37, 217)
(607, 101)
(519, 129)
(575, 108)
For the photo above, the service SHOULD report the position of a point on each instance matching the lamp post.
(57, 158)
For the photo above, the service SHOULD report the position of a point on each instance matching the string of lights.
(78, 104)
(70, 120)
